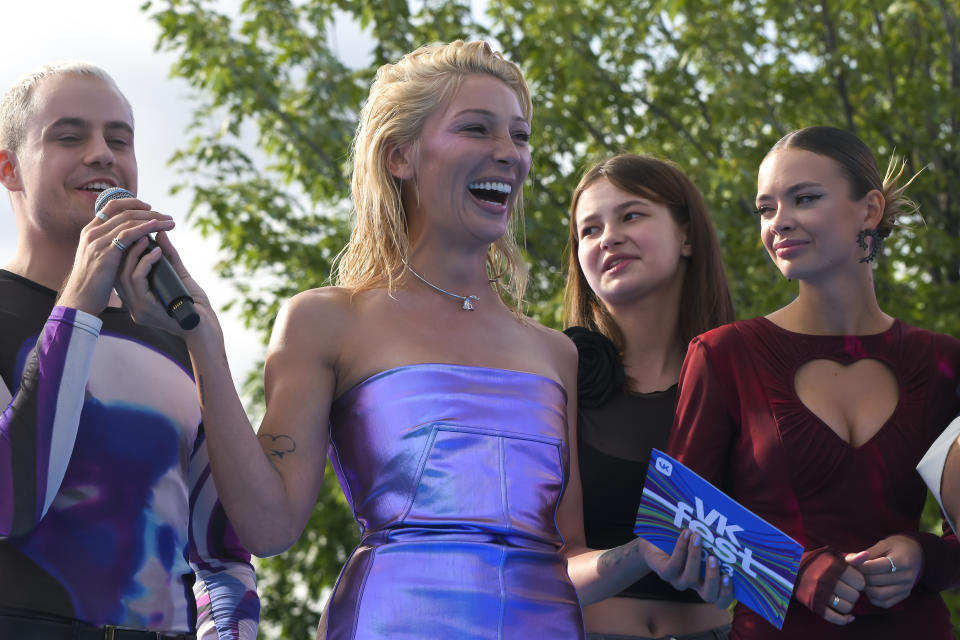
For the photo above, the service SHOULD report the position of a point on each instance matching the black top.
(616, 431)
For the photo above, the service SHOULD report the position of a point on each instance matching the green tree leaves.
(709, 84)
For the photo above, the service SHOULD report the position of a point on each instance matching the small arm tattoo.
(277, 446)
(610, 558)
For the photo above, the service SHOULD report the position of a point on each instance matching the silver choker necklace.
(468, 301)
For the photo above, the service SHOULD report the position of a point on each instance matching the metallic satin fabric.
(454, 474)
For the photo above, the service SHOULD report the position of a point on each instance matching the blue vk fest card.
(761, 560)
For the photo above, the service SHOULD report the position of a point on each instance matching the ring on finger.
(102, 215)
(835, 602)
(893, 567)
(119, 245)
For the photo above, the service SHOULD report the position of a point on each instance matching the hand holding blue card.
(761, 560)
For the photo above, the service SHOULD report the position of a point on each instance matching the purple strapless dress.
(454, 474)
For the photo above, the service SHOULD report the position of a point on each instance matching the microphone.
(163, 280)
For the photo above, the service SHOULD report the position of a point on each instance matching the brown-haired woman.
(815, 415)
(645, 276)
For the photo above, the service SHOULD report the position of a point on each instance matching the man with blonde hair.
(110, 526)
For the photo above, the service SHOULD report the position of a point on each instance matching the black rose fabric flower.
(599, 371)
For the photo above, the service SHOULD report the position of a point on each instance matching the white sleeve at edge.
(931, 465)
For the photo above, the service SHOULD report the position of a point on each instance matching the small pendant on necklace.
(468, 303)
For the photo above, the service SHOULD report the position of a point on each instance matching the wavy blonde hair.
(402, 97)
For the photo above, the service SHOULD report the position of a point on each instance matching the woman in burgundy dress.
(815, 416)
(645, 276)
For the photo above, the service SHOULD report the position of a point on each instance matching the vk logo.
(664, 466)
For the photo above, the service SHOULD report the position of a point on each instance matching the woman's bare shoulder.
(556, 350)
(315, 319)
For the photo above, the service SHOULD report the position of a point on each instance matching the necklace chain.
(468, 301)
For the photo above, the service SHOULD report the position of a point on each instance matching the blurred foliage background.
(709, 84)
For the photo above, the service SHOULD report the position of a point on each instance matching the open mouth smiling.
(96, 186)
(492, 192)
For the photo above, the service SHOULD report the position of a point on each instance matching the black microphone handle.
(163, 280)
(170, 290)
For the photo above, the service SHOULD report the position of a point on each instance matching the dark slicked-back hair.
(859, 167)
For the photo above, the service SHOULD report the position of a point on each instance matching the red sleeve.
(819, 573)
(706, 425)
(941, 555)
(941, 559)
(703, 426)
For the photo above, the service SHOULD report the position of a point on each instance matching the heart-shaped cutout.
(855, 400)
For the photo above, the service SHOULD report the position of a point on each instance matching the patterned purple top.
(108, 512)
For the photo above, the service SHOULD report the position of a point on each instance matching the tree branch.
(679, 128)
(841, 76)
(950, 22)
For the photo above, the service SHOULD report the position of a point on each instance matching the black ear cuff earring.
(875, 246)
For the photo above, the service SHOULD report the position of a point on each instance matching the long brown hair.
(705, 300)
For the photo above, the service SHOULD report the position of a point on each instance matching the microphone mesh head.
(113, 193)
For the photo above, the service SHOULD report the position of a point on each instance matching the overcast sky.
(117, 36)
